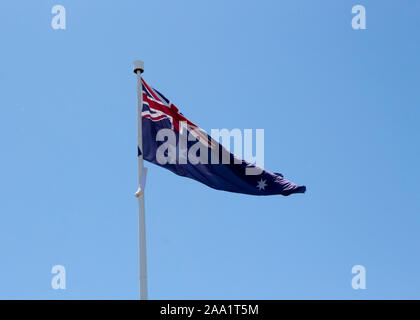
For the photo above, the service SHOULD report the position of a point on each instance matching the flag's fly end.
(301, 189)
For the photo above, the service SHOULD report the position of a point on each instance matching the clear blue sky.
(340, 109)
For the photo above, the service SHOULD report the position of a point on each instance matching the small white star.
(261, 184)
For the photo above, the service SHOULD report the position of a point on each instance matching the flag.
(172, 141)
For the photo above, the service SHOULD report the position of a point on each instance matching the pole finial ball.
(138, 66)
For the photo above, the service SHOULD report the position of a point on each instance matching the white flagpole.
(138, 69)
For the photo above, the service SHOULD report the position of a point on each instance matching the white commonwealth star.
(261, 184)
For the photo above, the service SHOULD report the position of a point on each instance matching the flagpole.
(138, 69)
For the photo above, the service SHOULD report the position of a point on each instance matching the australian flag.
(172, 141)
